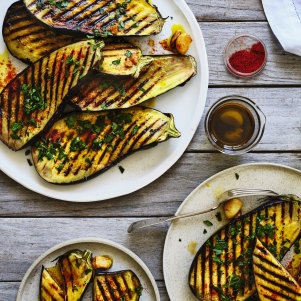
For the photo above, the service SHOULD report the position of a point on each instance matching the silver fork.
(222, 198)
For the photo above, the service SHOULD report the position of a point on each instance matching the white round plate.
(186, 103)
(183, 234)
(123, 259)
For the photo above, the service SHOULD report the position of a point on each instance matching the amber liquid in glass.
(232, 125)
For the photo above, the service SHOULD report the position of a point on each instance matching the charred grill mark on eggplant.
(98, 146)
(202, 273)
(117, 286)
(137, 17)
(27, 38)
(39, 96)
(162, 75)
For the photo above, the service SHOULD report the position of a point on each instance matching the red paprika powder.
(248, 61)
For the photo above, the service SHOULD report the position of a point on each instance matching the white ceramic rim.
(171, 160)
(90, 240)
(209, 180)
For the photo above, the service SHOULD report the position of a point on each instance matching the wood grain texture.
(225, 10)
(281, 68)
(160, 198)
(25, 239)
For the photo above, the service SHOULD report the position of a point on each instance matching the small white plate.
(185, 103)
(123, 259)
(177, 258)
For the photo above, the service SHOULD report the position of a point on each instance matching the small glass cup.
(242, 42)
(258, 128)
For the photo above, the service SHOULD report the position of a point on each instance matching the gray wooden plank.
(162, 197)
(281, 107)
(281, 69)
(8, 291)
(24, 239)
(213, 10)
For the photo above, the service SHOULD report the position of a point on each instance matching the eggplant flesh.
(273, 282)
(163, 74)
(122, 59)
(30, 101)
(222, 268)
(122, 285)
(77, 271)
(49, 289)
(28, 39)
(81, 145)
(99, 18)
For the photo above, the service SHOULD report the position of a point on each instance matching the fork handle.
(161, 220)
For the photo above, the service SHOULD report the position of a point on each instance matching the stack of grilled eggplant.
(78, 56)
(69, 278)
(243, 256)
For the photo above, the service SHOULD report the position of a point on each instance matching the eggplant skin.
(163, 74)
(82, 145)
(28, 39)
(99, 18)
(31, 101)
(222, 268)
(273, 282)
(121, 285)
(49, 289)
(76, 269)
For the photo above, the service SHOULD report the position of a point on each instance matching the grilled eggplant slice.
(49, 289)
(81, 145)
(28, 39)
(162, 75)
(122, 59)
(29, 102)
(222, 268)
(272, 280)
(99, 17)
(117, 286)
(77, 271)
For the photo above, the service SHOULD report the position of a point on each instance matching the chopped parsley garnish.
(121, 169)
(236, 176)
(15, 127)
(205, 231)
(208, 223)
(75, 288)
(29, 162)
(27, 152)
(135, 130)
(142, 89)
(116, 62)
(14, 136)
(128, 53)
(87, 271)
(77, 144)
(218, 216)
(41, 4)
(60, 167)
(33, 101)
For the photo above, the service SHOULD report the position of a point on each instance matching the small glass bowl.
(259, 125)
(243, 42)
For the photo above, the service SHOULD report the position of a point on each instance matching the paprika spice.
(248, 61)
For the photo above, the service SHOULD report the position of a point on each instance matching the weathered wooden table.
(30, 223)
